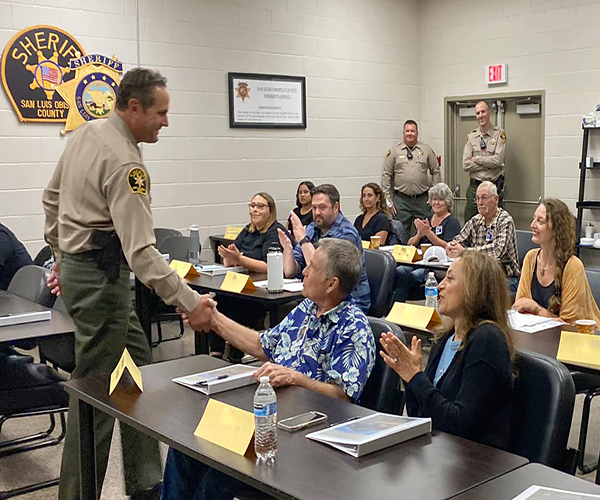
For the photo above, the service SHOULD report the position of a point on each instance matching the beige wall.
(361, 59)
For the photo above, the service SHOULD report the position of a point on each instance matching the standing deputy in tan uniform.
(405, 177)
(483, 157)
(98, 219)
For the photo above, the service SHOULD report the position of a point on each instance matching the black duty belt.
(413, 196)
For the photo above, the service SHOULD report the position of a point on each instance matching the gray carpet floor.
(39, 465)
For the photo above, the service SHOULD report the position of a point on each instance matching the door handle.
(457, 191)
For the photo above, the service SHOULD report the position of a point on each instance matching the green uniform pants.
(409, 208)
(105, 324)
(471, 205)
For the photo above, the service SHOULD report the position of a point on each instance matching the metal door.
(524, 127)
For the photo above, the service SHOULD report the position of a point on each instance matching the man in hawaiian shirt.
(309, 348)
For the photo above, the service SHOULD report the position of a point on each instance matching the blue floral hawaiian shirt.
(338, 347)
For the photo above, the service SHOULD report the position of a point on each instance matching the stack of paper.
(289, 284)
(531, 323)
(20, 318)
(218, 270)
(541, 492)
(219, 380)
(372, 433)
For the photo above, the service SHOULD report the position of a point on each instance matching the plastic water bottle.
(431, 291)
(265, 420)
(275, 270)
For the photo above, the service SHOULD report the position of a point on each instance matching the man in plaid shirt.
(492, 230)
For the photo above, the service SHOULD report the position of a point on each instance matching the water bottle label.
(431, 292)
(265, 410)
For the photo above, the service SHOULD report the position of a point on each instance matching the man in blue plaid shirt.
(328, 222)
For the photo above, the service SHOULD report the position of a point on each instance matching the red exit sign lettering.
(496, 73)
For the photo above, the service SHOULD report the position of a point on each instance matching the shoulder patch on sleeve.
(503, 136)
(389, 153)
(137, 180)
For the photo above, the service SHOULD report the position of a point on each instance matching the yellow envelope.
(404, 253)
(415, 316)
(184, 269)
(579, 349)
(366, 244)
(236, 282)
(231, 232)
(125, 362)
(226, 426)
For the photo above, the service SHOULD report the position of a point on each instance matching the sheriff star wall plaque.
(92, 94)
(34, 63)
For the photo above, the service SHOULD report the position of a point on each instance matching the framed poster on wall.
(267, 101)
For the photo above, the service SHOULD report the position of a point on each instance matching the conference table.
(13, 304)
(515, 482)
(436, 466)
(261, 298)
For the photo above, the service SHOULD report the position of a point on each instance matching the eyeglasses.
(482, 144)
(485, 197)
(259, 206)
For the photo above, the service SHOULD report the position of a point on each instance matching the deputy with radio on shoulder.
(483, 157)
(98, 220)
(409, 170)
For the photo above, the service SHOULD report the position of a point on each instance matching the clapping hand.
(230, 255)
(297, 228)
(422, 226)
(405, 362)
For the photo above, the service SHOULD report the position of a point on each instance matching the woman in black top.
(303, 205)
(467, 385)
(249, 250)
(374, 220)
(438, 229)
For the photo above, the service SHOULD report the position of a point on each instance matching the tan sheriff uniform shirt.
(489, 162)
(101, 183)
(409, 176)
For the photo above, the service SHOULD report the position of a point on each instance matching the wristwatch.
(304, 240)
(538, 309)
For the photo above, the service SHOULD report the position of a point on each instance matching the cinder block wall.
(362, 61)
(552, 45)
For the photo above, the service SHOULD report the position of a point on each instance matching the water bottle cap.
(264, 379)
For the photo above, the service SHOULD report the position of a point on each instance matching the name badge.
(438, 230)
(488, 235)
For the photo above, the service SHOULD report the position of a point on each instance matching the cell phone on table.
(303, 421)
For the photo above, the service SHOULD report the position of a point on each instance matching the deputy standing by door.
(483, 157)
(98, 219)
(405, 177)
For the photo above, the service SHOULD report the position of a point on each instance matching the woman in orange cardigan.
(553, 281)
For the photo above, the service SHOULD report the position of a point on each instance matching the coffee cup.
(425, 247)
(585, 326)
(375, 242)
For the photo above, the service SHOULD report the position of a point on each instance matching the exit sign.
(496, 73)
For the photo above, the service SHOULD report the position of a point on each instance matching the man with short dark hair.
(409, 170)
(328, 222)
(98, 220)
(308, 348)
(483, 156)
(13, 256)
